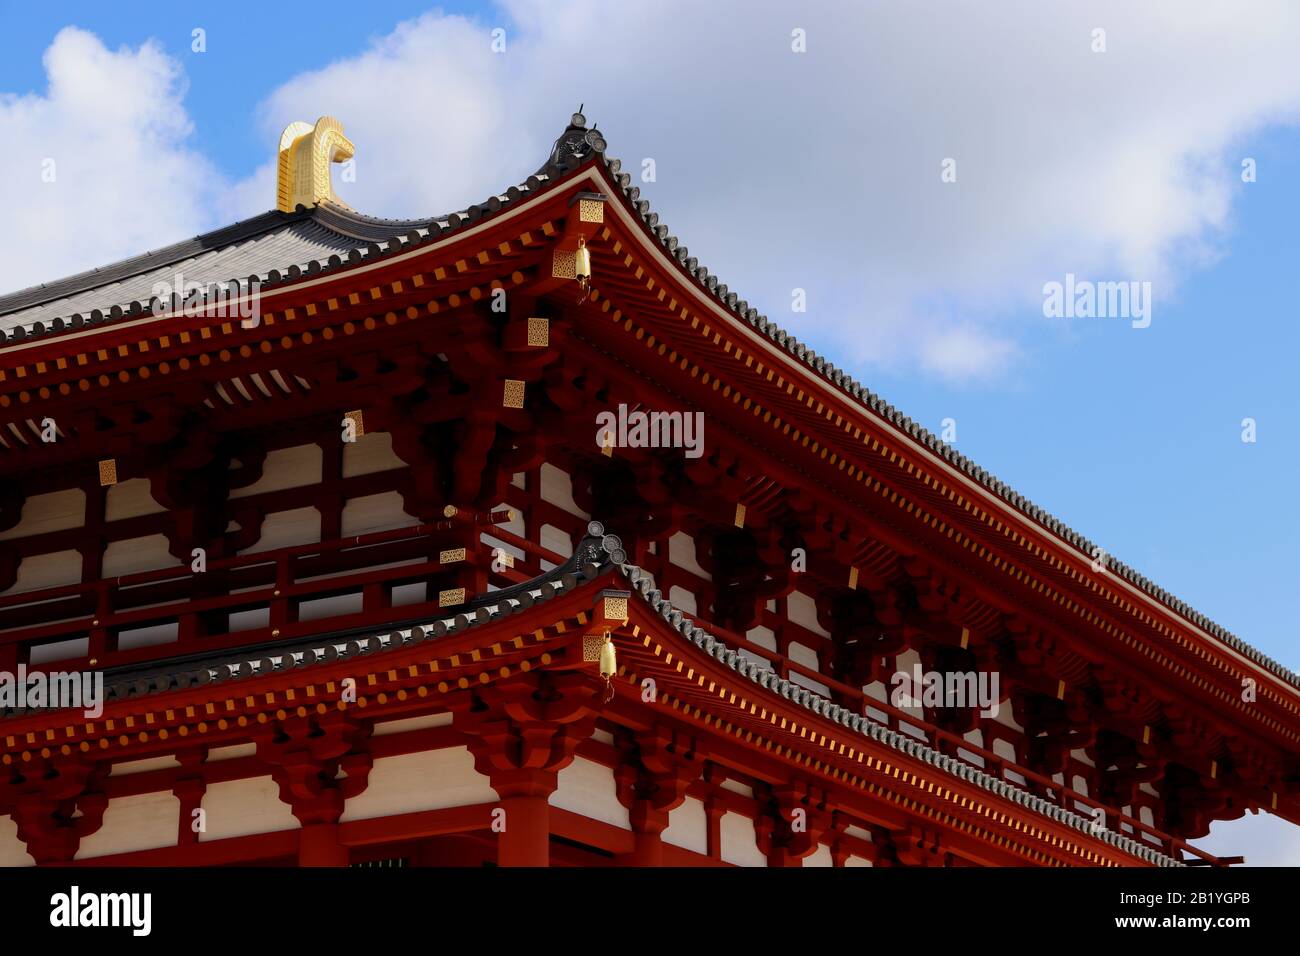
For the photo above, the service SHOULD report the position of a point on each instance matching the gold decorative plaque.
(451, 598)
(539, 332)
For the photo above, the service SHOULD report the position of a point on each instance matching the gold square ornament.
(564, 265)
(513, 394)
(358, 420)
(591, 645)
(451, 598)
(591, 210)
(539, 332)
(108, 472)
(615, 609)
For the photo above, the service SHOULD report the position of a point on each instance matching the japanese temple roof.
(266, 246)
(279, 247)
(598, 557)
(273, 247)
(238, 250)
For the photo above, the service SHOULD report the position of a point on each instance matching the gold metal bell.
(608, 659)
(608, 666)
(582, 263)
(582, 269)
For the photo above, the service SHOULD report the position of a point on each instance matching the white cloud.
(114, 127)
(1263, 839)
(429, 108)
(962, 351)
(779, 170)
(821, 170)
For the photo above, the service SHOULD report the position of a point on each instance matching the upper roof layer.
(276, 247)
(247, 249)
(270, 247)
(238, 250)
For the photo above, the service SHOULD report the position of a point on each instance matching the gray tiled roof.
(308, 251)
(588, 561)
(271, 238)
(271, 248)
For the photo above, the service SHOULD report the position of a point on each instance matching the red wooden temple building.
(372, 577)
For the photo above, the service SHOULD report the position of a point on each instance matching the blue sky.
(250, 50)
(817, 171)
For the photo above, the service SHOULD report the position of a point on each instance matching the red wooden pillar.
(714, 808)
(656, 770)
(306, 755)
(713, 812)
(648, 823)
(525, 801)
(522, 734)
(282, 606)
(839, 850)
(97, 644)
(189, 790)
(40, 806)
(319, 845)
(792, 826)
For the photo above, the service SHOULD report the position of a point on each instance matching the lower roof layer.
(598, 558)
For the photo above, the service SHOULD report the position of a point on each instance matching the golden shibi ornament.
(303, 163)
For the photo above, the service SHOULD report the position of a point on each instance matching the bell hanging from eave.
(582, 268)
(608, 666)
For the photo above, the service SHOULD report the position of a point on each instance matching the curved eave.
(833, 383)
(221, 667)
(841, 729)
